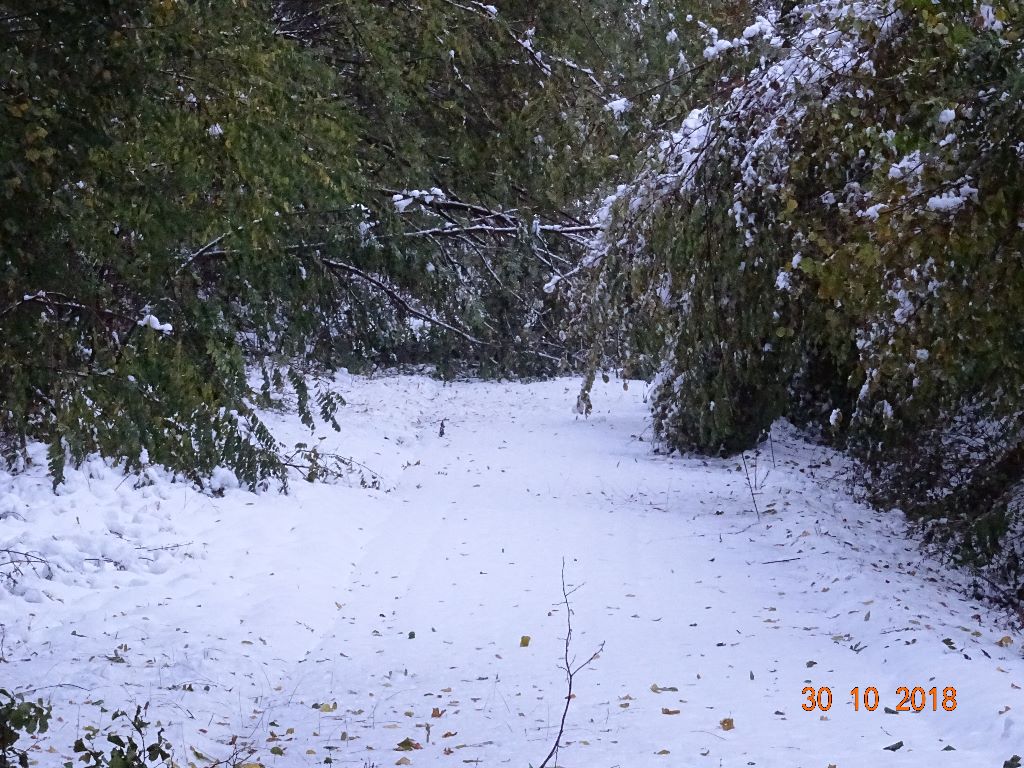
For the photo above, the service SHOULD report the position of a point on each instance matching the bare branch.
(570, 670)
(397, 299)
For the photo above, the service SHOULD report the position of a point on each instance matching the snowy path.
(353, 615)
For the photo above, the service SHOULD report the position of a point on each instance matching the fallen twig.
(17, 559)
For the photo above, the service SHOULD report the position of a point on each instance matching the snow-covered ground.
(339, 621)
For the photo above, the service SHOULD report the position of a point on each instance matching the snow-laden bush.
(834, 233)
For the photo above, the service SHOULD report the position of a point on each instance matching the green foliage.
(728, 344)
(192, 190)
(151, 171)
(134, 748)
(18, 718)
(843, 247)
(935, 391)
(479, 129)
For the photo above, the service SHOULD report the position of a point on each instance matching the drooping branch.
(397, 299)
(494, 221)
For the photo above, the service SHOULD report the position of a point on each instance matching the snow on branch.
(397, 299)
(821, 48)
(452, 218)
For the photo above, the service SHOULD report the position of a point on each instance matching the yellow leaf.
(329, 707)
(524, 641)
(727, 724)
(1005, 642)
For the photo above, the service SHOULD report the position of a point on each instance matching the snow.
(874, 211)
(989, 19)
(717, 48)
(763, 26)
(911, 165)
(619, 106)
(351, 614)
(946, 202)
(152, 321)
(947, 116)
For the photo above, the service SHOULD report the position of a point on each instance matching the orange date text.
(907, 699)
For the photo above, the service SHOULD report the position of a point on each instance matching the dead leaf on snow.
(727, 724)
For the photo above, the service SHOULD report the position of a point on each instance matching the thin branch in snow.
(750, 485)
(570, 670)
